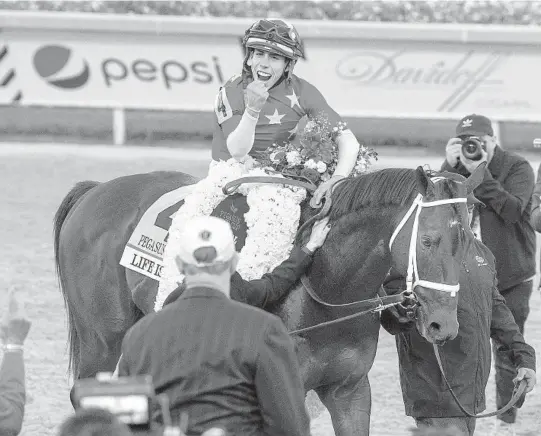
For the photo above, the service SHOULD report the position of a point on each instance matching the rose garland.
(272, 221)
(314, 153)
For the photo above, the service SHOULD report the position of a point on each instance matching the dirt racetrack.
(35, 178)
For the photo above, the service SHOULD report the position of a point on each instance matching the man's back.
(224, 363)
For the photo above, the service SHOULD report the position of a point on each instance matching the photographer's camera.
(472, 148)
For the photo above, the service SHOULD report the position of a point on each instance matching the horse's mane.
(390, 186)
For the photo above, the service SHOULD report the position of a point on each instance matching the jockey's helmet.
(274, 36)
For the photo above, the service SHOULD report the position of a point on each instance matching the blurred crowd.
(481, 12)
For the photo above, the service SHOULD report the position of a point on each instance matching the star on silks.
(293, 99)
(275, 118)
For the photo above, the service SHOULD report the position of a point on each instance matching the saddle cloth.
(145, 249)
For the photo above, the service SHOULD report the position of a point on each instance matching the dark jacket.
(536, 201)
(12, 394)
(505, 221)
(482, 314)
(271, 287)
(223, 362)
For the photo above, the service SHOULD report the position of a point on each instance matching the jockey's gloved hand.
(320, 230)
(15, 326)
(256, 96)
(323, 188)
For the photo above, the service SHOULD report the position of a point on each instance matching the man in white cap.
(225, 363)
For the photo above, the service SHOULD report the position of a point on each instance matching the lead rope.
(518, 392)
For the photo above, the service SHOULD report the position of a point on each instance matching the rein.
(232, 186)
(518, 393)
(383, 301)
(377, 304)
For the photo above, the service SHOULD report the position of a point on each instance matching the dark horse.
(103, 299)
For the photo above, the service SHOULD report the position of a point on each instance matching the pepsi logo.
(60, 67)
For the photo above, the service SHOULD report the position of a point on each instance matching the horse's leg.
(349, 398)
(349, 403)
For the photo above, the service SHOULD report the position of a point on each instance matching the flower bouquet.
(315, 155)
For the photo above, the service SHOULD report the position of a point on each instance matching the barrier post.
(119, 126)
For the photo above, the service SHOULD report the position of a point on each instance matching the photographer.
(13, 331)
(503, 224)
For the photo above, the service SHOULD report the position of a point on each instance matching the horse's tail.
(67, 204)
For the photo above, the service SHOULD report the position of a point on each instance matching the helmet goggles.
(275, 36)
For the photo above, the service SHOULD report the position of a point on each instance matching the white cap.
(208, 231)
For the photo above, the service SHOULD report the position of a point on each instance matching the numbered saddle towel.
(264, 219)
(145, 249)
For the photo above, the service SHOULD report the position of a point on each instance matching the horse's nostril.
(435, 326)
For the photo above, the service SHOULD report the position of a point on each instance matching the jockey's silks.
(287, 103)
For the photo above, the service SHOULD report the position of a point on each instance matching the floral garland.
(272, 221)
(315, 154)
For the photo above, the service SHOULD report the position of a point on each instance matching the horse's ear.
(424, 183)
(475, 178)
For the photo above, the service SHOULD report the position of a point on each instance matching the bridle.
(383, 301)
(406, 299)
(413, 272)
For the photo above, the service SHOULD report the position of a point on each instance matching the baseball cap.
(207, 231)
(474, 125)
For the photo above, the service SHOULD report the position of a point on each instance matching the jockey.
(264, 104)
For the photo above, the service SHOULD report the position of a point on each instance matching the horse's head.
(427, 247)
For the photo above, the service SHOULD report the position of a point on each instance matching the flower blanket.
(272, 221)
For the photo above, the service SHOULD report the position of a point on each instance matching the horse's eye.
(426, 241)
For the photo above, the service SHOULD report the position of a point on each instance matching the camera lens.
(472, 148)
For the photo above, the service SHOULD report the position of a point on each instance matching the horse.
(392, 218)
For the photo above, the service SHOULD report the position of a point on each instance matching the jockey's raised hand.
(320, 230)
(255, 97)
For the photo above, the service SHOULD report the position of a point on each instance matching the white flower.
(321, 167)
(311, 164)
(293, 158)
(309, 126)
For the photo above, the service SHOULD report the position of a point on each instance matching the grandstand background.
(175, 128)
